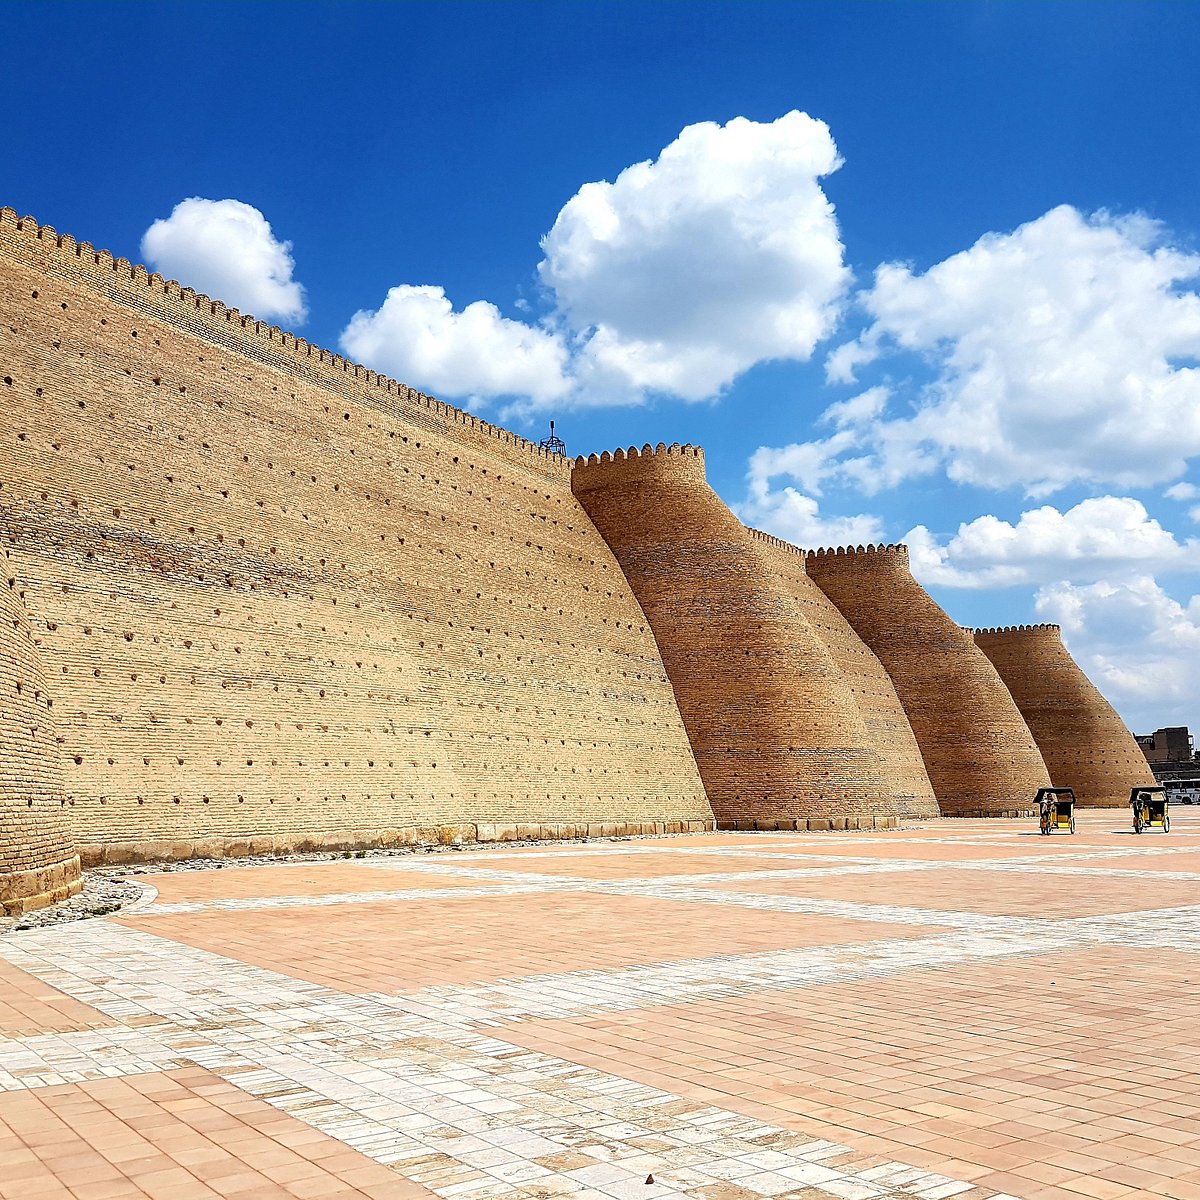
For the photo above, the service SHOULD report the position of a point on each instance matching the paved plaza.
(958, 1008)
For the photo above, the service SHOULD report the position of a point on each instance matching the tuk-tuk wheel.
(1166, 824)
(1072, 822)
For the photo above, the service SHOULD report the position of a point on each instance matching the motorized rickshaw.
(1151, 810)
(1056, 809)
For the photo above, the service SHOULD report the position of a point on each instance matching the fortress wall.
(776, 732)
(285, 602)
(1084, 743)
(870, 686)
(38, 863)
(981, 758)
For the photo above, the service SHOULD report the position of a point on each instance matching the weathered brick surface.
(1084, 743)
(38, 863)
(981, 758)
(870, 686)
(776, 731)
(284, 602)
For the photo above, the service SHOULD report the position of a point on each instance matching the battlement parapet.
(1006, 630)
(659, 463)
(778, 543)
(1083, 741)
(833, 557)
(174, 295)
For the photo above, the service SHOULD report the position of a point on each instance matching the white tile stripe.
(400, 1083)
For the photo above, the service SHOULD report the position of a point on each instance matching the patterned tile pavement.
(959, 1008)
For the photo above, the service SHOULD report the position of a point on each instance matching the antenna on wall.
(553, 443)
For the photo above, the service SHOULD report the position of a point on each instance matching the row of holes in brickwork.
(102, 324)
(346, 631)
(73, 800)
(568, 583)
(573, 614)
(623, 745)
(156, 380)
(207, 647)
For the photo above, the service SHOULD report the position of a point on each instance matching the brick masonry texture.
(1084, 743)
(981, 758)
(38, 863)
(870, 685)
(282, 602)
(776, 731)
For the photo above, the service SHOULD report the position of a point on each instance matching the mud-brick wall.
(283, 601)
(1084, 743)
(38, 863)
(870, 686)
(778, 738)
(978, 751)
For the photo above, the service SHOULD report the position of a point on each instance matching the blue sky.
(1015, 392)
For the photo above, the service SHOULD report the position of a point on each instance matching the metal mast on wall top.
(553, 443)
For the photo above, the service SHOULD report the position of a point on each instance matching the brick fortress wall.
(284, 602)
(870, 686)
(777, 734)
(38, 863)
(981, 758)
(1084, 743)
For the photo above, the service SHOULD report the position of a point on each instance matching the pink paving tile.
(644, 864)
(987, 892)
(1188, 860)
(414, 944)
(1068, 1072)
(179, 1135)
(29, 1006)
(233, 882)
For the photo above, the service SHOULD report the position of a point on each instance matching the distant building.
(1172, 745)
(1171, 754)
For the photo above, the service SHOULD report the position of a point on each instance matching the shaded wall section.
(777, 735)
(870, 686)
(38, 863)
(978, 751)
(1084, 743)
(285, 602)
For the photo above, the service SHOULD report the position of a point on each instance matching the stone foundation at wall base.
(23, 891)
(176, 850)
(812, 824)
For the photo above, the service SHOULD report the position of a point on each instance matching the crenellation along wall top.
(897, 551)
(779, 544)
(674, 450)
(1054, 630)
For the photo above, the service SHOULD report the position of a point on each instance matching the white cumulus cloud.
(417, 336)
(225, 249)
(685, 271)
(793, 514)
(1097, 538)
(673, 279)
(1062, 352)
(1138, 644)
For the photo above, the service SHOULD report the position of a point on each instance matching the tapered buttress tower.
(981, 758)
(1084, 743)
(775, 729)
